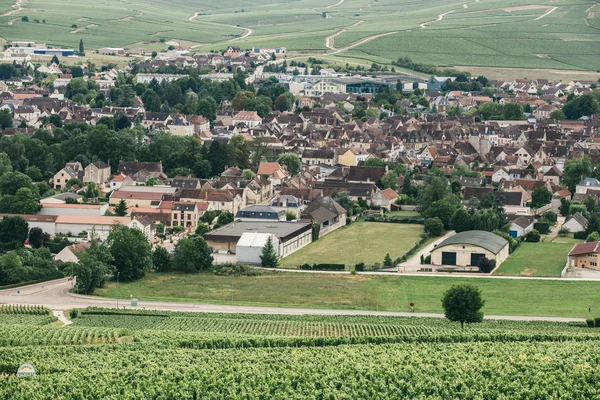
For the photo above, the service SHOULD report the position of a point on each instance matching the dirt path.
(83, 28)
(248, 31)
(18, 6)
(61, 317)
(362, 41)
(439, 18)
(545, 14)
(329, 40)
(357, 23)
(12, 21)
(336, 4)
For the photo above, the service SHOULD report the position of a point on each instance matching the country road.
(55, 295)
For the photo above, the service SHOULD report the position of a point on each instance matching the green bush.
(589, 322)
(359, 267)
(550, 216)
(74, 313)
(542, 227)
(533, 236)
(580, 235)
(323, 267)
(597, 322)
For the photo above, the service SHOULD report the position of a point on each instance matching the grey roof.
(282, 230)
(523, 221)
(578, 216)
(65, 196)
(323, 209)
(589, 182)
(487, 240)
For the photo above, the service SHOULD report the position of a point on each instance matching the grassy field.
(536, 259)
(403, 213)
(547, 34)
(366, 242)
(363, 292)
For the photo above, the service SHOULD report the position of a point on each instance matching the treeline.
(406, 62)
(39, 157)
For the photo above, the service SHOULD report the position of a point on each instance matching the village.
(328, 149)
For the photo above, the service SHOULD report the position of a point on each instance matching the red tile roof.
(585, 248)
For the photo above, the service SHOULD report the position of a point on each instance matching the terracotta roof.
(122, 194)
(389, 194)
(77, 206)
(118, 178)
(584, 248)
(93, 220)
(268, 168)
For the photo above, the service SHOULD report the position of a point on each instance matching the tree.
(202, 229)
(540, 197)
(593, 237)
(463, 303)
(268, 256)
(36, 237)
(25, 202)
(461, 221)
(25, 18)
(81, 50)
(444, 209)
(343, 199)
(374, 162)
(557, 115)
(131, 251)
(239, 154)
(513, 111)
(565, 207)
(6, 119)
(291, 161)
(436, 188)
(434, 226)
(456, 187)
(11, 182)
(387, 261)
(121, 208)
(390, 180)
(13, 233)
(581, 105)
(590, 203)
(161, 259)
(192, 254)
(485, 220)
(95, 266)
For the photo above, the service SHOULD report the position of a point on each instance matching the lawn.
(402, 213)
(567, 239)
(366, 242)
(533, 297)
(536, 259)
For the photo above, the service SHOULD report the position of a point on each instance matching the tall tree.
(268, 256)
(131, 251)
(121, 208)
(161, 259)
(291, 161)
(13, 233)
(81, 50)
(239, 154)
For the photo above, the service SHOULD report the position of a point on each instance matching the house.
(71, 253)
(521, 225)
(97, 172)
(466, 248)
(361, 174)
(274, 171)
(70, 171)
(132, 167)
(260, 213)
(577, 223)
(384, 198)
(351, 157)
(553, 176)
(184, 214)
(327, 213)
(587, 184)
(144, 224)
(250, 118)
(135, 198)
(317, 157)
(584, 255)
(117, 181)
(292, 236)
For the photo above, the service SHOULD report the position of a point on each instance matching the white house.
(521, 226)
(577, 223)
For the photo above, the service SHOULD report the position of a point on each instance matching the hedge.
(542, 227)
(396, 220)
(323, 267)
(412, 251)
(580, 235)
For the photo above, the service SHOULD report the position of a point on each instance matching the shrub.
(589, 322)
(580, 235)
(323, 267)
(550, 216)
(542, 227)
(597, 322)
(486, 265)
(563, 232)
(434, 226)
(593, 237)
(359, 267)
(533, 236)
(74, 313)
(235, 269)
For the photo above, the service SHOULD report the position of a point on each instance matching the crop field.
(366, 242)
(345, 357)
(535, 34)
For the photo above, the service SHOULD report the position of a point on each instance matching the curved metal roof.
(487, 240)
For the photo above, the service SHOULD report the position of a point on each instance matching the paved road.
(55, 295)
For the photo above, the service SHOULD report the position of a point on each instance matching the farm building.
(249, 248)
(466, 248)
(584, 255)
(291, 236)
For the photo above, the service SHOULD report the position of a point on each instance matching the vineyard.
(131, 354)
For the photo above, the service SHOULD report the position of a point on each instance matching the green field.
(129, 354)
(548, 34)
(531, 297)
(536, 259)
(366, 242)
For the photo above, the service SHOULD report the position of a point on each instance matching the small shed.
(249, 248)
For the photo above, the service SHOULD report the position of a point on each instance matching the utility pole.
(232, 288)
(118, 273)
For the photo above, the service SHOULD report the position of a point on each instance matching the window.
(593, 264)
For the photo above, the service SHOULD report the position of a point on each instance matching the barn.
(249, 248)
(466, 248)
